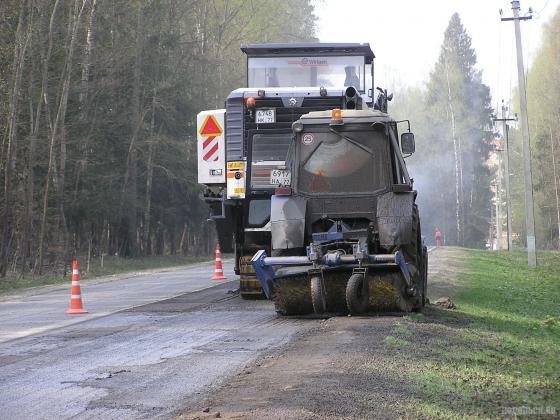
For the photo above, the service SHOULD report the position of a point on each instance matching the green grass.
(396, 342)
(498, 353)
(111, 265)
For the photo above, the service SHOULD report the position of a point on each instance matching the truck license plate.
(265, 116)
(280, 177)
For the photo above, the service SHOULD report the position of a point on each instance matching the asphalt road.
(141, 362)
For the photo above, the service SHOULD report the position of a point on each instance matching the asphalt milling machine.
(346, 233)
(307, 184)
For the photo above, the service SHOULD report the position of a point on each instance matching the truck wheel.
(318, 297)
(357, 294)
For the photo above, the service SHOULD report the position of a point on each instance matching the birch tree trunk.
(554, 174)
(21, 41)
(129, 242)
(461, 239)
(27, 227)
(84, 98)
(73, 24)
(149, 176)
(456, 157)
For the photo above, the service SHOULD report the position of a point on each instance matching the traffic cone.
(218, 271)
(76, 304)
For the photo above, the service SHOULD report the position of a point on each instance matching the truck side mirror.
(407, 143)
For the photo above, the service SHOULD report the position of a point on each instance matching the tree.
(544, 122)
(452, 119)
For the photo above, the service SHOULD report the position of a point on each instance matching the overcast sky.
(406, 36)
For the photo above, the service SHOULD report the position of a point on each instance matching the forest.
(98, 105)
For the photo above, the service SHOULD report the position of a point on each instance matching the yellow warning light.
(336, 115)
(251, 102)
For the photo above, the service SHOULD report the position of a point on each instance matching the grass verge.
(111, 266)
(498, 354)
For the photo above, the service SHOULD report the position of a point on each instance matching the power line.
(540, 11)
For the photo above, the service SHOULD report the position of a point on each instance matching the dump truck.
(242, 149)
(346, 232)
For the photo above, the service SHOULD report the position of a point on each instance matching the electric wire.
(542, 9)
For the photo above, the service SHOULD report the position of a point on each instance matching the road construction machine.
(346, 230)
(243, 148)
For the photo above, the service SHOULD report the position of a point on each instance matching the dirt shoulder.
(444, 267)
(348, 367)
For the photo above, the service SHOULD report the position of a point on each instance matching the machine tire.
(318, 297)
(357, 299)
(418, 255)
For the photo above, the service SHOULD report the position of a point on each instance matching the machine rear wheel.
(249, 285)
(357, 295)
(318, 297)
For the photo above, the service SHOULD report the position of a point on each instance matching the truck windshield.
(343, 162)
(270, 147)
(306, 72)
(268, 152)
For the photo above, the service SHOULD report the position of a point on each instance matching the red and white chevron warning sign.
(211, 147)
(210, 131)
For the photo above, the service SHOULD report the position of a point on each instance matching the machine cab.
(316, 65)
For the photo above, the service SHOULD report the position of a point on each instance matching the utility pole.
(505, 136)
(499, 234)
(529, 211)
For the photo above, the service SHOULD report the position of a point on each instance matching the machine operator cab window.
(306, 72)
(310, 65)
(345, 160)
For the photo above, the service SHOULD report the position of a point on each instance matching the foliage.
(451, 120)
(98, 103)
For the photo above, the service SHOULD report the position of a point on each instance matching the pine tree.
(450, 166)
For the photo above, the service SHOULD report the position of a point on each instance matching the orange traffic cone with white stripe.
(76, 304)
(218, 271)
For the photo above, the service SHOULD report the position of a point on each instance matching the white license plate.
(280, 177)
(265, 116)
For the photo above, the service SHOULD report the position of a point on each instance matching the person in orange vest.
(437, 237)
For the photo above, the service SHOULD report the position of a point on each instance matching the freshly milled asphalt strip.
(144, 362)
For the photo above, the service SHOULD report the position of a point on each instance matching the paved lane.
(42, 309)
(146, 362)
